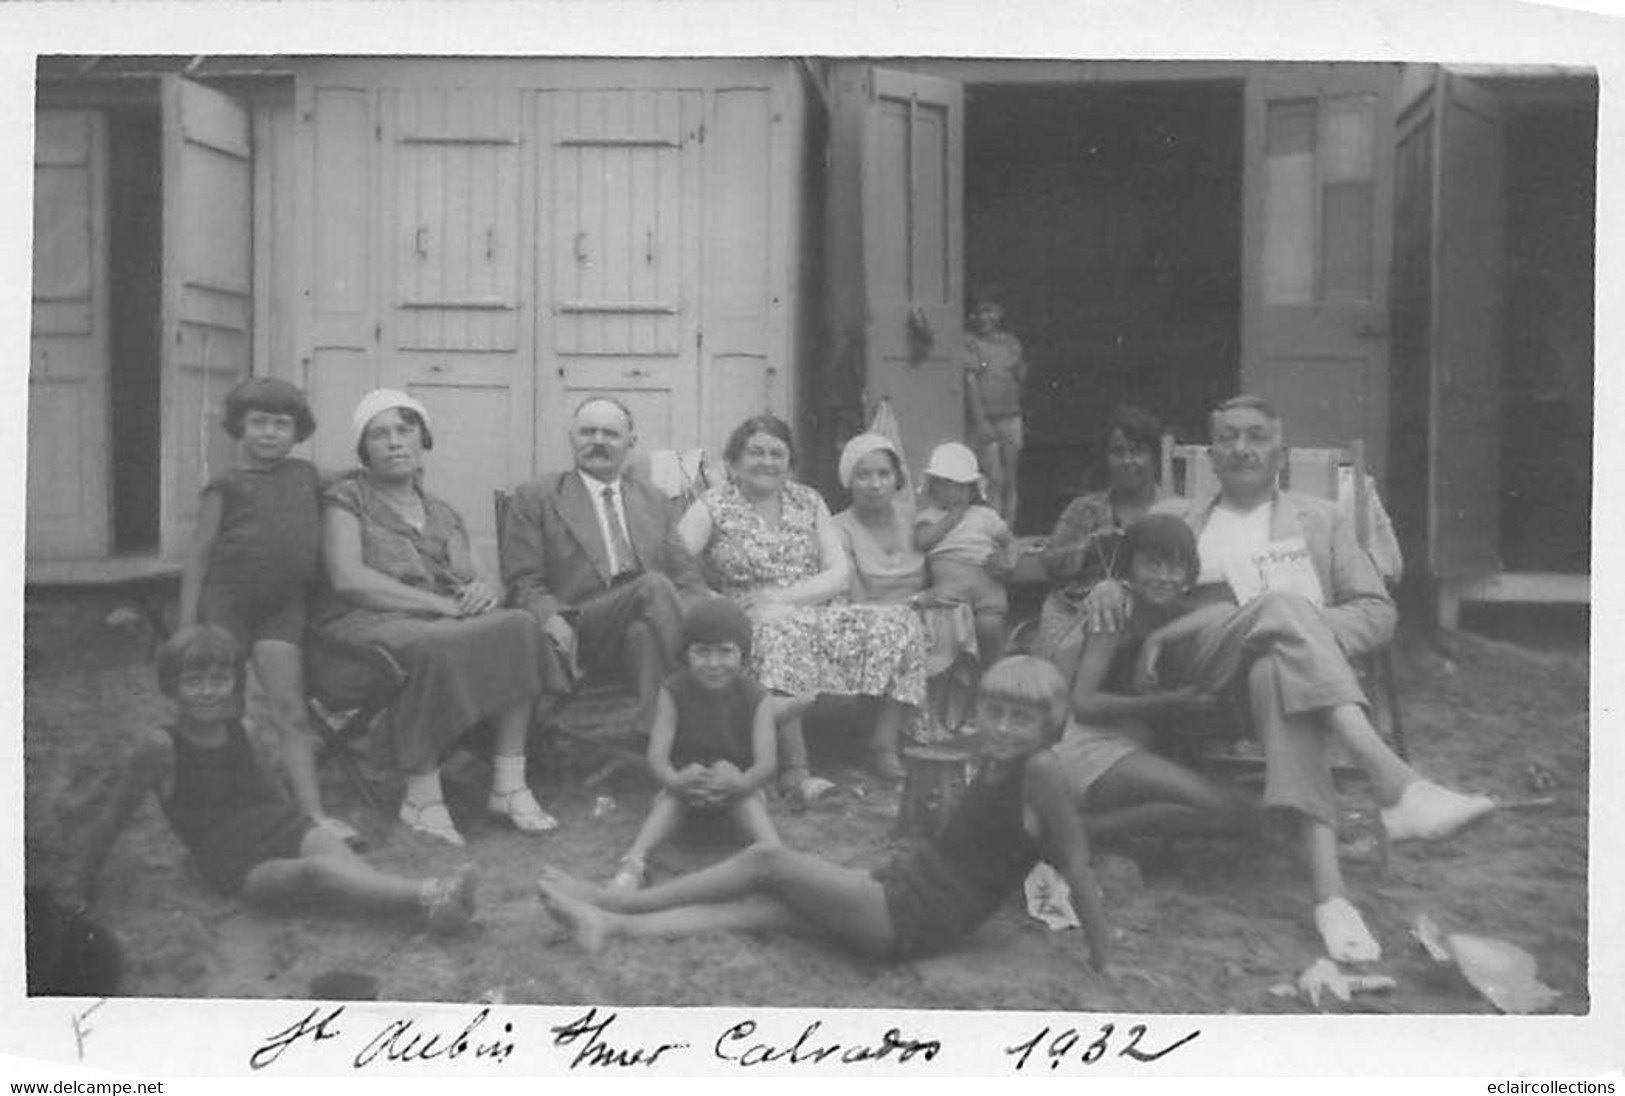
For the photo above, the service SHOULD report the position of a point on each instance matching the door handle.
(420, 242)
(581, 248)
(635, 374)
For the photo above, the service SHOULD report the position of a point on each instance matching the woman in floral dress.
(769, 543)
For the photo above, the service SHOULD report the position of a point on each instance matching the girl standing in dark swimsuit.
(1016, 811)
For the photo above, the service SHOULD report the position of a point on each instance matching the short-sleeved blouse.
(434, 558)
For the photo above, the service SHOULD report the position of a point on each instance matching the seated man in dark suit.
(595, 555)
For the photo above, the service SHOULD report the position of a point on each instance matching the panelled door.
(912, 181)
(455, 324)
(1317, 233)
(68, 429)
(207, 291)
(618, 211)
(1452, 144)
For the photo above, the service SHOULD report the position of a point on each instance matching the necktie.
(621, 548)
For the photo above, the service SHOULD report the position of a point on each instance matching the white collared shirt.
(595, 491)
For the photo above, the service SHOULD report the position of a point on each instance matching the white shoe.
(520, 807)
(1428, 812)
(1344, 932)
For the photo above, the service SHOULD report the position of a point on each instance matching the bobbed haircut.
(408, 416)
(771, 425)
(197, 647)
(1164, 538)
(1024, 679)
(1139, 427)
(271, 395)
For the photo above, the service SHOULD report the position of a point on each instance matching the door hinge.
(378, 131)
(699, 340)
(377, 332)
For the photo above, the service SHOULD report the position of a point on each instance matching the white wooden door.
(912, 179)
(208, 292)
(454, 322)
(69, 516)
(1317, 234)
(618, 270)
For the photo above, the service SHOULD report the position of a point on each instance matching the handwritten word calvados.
(736, 1045)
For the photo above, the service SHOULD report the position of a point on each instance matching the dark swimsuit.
(939, 892)
(227, 813)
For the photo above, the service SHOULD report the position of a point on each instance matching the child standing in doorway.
(966, 544)
(254, 556)
(995, 374)
(244, 836)
(712, 746)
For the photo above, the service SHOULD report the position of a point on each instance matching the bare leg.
(750, 813)
(1010, 460)
(665, 815)
(887, 734)
(843, 901)
(792, 743)
(1389, 774)
(278, 667)
(1342, 930)
(512, 727)
(510, 793)
(990, 635)
(593, 927)
(1144, 793)
(326, 869)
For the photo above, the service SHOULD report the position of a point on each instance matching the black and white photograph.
(929, 546)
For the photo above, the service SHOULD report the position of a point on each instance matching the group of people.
(728, 620)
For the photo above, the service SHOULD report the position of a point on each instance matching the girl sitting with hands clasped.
(711, 747)
(1015, 811)
(1116, 780)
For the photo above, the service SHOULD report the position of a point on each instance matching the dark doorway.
(135, 255)
(1551, 165)
(1107, 221)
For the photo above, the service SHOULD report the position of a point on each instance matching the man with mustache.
(595, 555)
(1307, 599)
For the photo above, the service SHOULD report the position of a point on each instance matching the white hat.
(380, 400)
(955, 462)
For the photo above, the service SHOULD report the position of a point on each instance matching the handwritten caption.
(592, 1041)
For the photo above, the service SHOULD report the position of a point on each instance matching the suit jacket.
(1358, 607)
(553, 552)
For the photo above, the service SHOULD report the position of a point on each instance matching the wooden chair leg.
(1390, 685)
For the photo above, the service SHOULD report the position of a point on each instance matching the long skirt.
(459, 670)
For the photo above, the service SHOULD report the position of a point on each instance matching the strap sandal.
(431, 818)
(520, 807)
(343, 831)
(814, 791)
(630, 875)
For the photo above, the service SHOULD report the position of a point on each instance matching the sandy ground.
(1203, 927)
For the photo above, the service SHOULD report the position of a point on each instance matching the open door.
(207, 292)
(1454, 133)
(1317, 233)
(898, 152)
(69, 516)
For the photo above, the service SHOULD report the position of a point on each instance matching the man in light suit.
(595, 555)
(1289, 644)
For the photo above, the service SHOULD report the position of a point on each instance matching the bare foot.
(587, 923)
(563, 881)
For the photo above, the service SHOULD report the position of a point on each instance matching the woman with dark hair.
(770, 544)
(1083, 547)
(401, 575)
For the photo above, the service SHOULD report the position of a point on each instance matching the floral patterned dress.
(836, 647)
